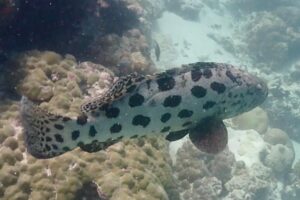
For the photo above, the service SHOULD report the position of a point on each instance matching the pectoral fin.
(210, 136)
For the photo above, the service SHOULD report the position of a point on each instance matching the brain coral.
(136, 169)
(256, 119)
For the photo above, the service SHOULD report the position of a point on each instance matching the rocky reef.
(112, 33)
(256, 165)
(135, 169)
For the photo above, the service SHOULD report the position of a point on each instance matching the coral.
(246, 145)
(243, 6)
(255, 183)
(80, 23)
(256, 119)
(279, 158)
(292, 191)
(296, 168)
(135, 169)
(188, 9)
(276, 136)
(124, 54)
(201, 175)
(207, 188)
(271, 36)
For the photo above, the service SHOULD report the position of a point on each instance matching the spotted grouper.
(193, 99)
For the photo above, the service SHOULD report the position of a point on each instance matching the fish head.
(245, 92)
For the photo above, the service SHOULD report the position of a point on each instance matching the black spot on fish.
(165, 117)
(209, 104)
(103, 107)
(54, 118)
(165, 129)
(148, 82)
(112, 112)
(116, 128)
(75, 135)
(59, 138)
(218, 87)
(66, 149)
(177, 135)
(231, 76)
(54, 146)
(236, 103)
(48, 148)
(166, 83)
(82, 120)
(186, 124)
(230, 94)
(134, 136)
(198, 91)
(95, 113)
(172, 101)
(92, 131)
(196, 75)
(80, 144)
(207, 73)
(185, 113)
(136, 100)
(130, 88)
(65, 119)
(48, 139)
(129, 82)
(59, 126)
(139, 79)
(47, 130)
(141, 120)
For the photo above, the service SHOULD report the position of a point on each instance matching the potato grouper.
(193, 99)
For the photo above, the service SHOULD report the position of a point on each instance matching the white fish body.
(173, 103)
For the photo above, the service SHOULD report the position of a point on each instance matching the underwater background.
(60, 53)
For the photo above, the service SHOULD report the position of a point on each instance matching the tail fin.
(44, 132)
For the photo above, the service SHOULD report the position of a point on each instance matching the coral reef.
(276, 136)
(79, 23)
(113, 33)
(246, 145)
(201, 175)
(255, 183)
(243, 6)
(135, 169)
(123, 54)
(279, 158)
(256, 119)
(271, 40)
(249, 168)
(283, 105)
(188, 9)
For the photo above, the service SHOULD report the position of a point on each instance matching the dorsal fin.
(120, 88)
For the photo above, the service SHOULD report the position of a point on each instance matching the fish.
(191, 100)
(156, 50)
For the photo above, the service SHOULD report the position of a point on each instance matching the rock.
(256, 119)
(279, 158)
